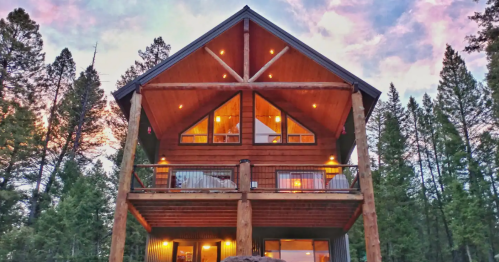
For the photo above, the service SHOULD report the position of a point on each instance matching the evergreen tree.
(21, 56)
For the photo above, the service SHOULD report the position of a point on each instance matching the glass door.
(184, 252)
(210, 252)
(196, 252)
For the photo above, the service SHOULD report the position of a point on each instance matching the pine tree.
(21, 56)
(59, 76)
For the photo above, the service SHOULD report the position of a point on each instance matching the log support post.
(126, 168)
(365, 179)
(244, 216)
(246, 51)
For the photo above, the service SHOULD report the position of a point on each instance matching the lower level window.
(298, 250)
(201, 178)
(300, 180)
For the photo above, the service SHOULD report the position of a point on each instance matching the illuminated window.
(226, 122)
(267, 122)
(296, 180)
(298, 250)
(197, 134)
(297, 133)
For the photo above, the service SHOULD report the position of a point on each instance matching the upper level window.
(297, 133)
(197, 133)
(268, 122)
(226, 125)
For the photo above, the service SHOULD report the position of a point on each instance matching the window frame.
(212, 113)
(193, 125)
(299, 135)
(283, 117)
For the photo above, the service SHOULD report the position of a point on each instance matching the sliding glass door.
(298, 250)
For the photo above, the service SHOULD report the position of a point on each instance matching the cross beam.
(249, 86)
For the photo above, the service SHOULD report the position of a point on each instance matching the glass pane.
(295, 128)
(297, 250)
(219, 139)
(274, 139)
(233, 139)
(185, 253)
(196, 134)
(272, 249)
(201, 139)
(307, 139)
(227, 117)
(293, 139)
(267, 120)
(187, 139)
(321, 251)
(209, 253)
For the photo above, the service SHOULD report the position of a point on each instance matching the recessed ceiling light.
(270, 75)
(180, 106)
(222, 52)
(225, 75)
(314, 106)
(271, 51)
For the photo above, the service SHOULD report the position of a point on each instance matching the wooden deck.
(220, 209)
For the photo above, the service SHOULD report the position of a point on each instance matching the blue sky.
(397, 41)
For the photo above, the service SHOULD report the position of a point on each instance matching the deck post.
(365, 180)
(126, 168)
(244, 214)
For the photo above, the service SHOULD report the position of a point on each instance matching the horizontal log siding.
(231, 154)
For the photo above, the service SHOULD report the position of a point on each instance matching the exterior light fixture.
(206, 247)
(270, 75)
(225, 75)
(180, 106)
(227, 243)
(222, 52)
(271, 51)
(277, 119)
(165, 243)
(163, 158)
(314, 106)
(331, 157)
(217, 118)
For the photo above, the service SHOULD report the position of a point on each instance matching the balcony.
(281, 195)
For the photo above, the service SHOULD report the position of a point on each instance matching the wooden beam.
(306, 196)
(244, 229)
(126, 168)
(365, 179)
(224, 65)
(268, 64)
(246, 51)
(352, 220)
(139, 217)
(249, 86)
(183, 196)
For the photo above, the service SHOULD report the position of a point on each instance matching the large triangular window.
(226, 122)
(268, 124)
(297, 133)
(197, 134)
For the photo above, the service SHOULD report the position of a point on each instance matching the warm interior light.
(277, 119)
(314, 106)
(180, 106)
(297, 183)
(271, 51)
(331, 157)
(274, 141)
(206, 247)
(230, 117)
(308, 253)
(217, 118)
(165, 243)
(227, 243)
(222, 52)
(270, 75)
(163, 158)
(225, 75)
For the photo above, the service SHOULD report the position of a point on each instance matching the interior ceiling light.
(314, 106)
(180, 106)
(217, 118)
(277, 119)
(222, 52)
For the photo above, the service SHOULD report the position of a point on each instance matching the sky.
(381, 41)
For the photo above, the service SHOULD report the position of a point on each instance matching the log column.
(246, 51)
(244, 227)
(365, 180)
(126, 168)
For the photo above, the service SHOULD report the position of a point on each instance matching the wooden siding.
(156, 251)
(176, 153)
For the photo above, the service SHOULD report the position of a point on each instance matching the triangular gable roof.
(246, 12)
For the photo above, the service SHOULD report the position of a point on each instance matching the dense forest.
(435, 161)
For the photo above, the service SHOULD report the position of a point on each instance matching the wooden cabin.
(248, 132)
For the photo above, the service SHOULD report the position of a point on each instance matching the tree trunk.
(57, 165)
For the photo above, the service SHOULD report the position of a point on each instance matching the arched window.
(197, 134)
(268, 124)
(226, 122)
(297, 133)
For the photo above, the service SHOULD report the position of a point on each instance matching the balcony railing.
(224, 178)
